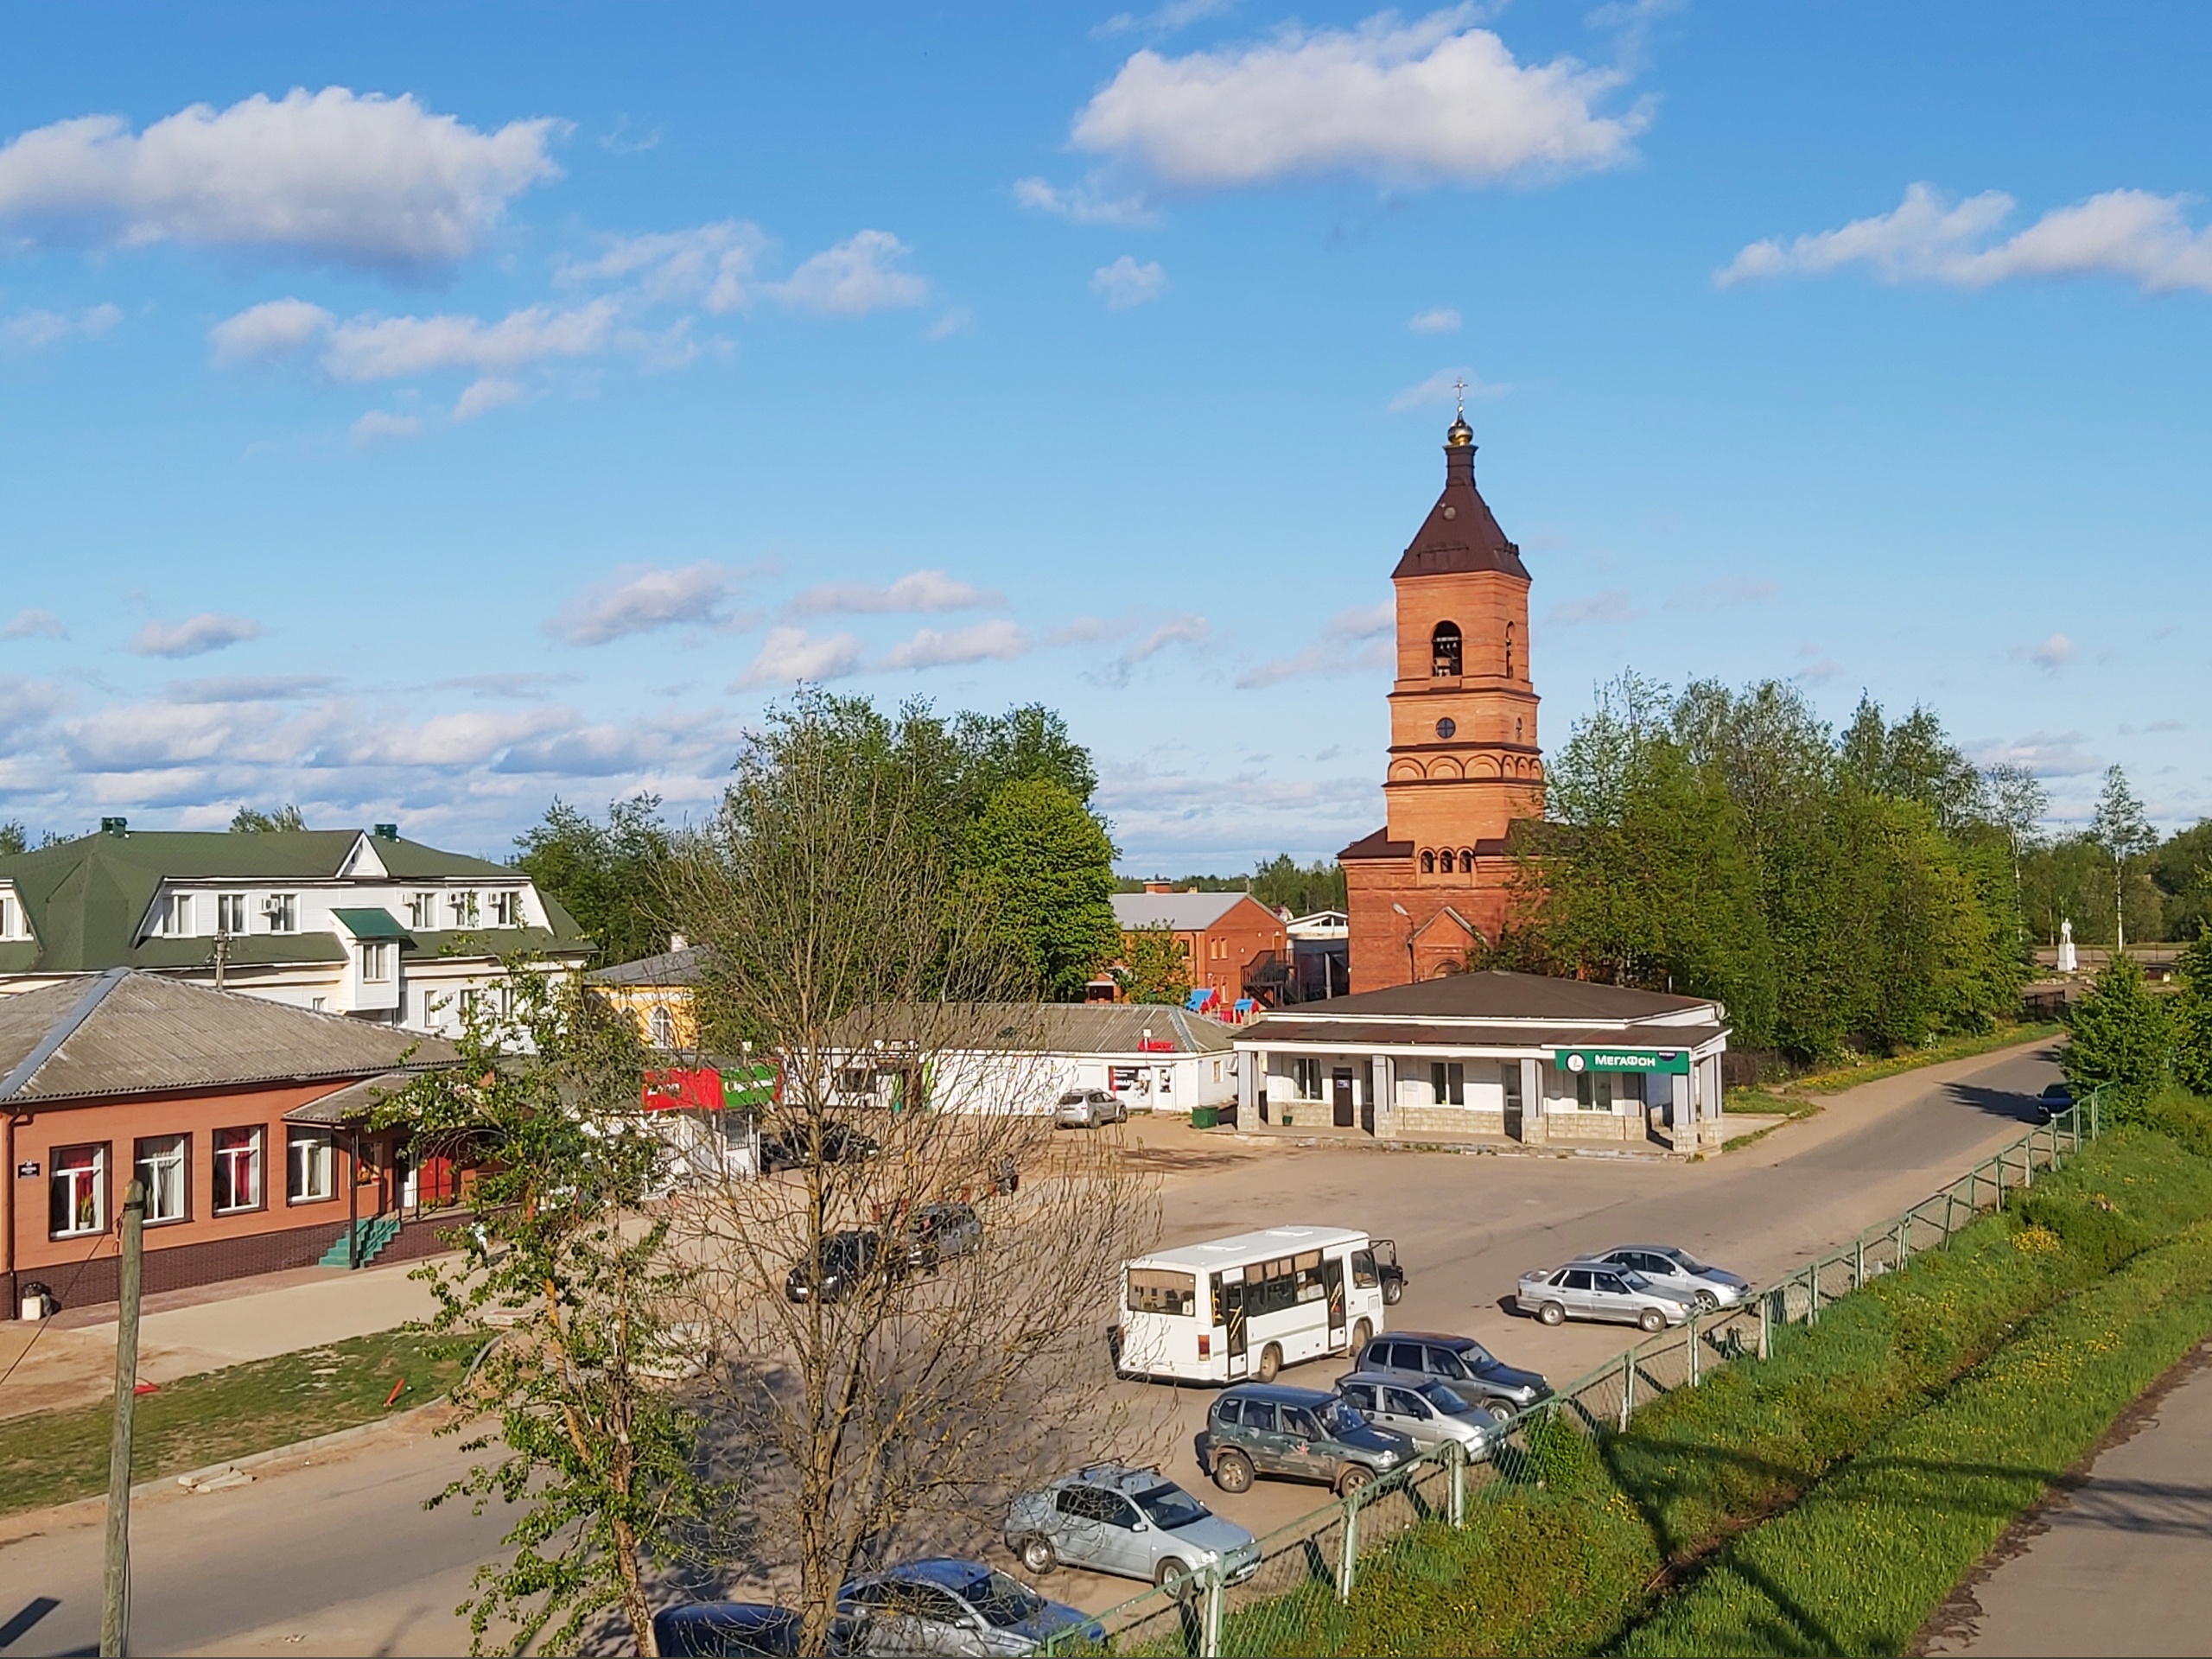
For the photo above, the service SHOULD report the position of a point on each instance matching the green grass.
(1572, 1567)
(1862, 1563)
(53, 1457)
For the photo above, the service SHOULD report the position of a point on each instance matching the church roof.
(1459, 534)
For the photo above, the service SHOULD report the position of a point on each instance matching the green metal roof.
(85, 899)
(371, 924)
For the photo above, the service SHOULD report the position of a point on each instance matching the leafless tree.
(909, 1392)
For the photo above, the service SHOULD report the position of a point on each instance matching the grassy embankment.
(1575, 1565)
(53, 1457)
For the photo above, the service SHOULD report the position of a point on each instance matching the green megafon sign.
(1674, 1062)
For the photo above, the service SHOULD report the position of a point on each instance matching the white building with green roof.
(355, 922)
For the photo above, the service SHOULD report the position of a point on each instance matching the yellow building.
(655, 992)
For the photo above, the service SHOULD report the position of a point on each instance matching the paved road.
(2117, 1566)
(340, 1558)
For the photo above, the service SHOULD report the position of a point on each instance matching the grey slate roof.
(1276, 1029)
(1497, 995)
(126, 1032)
(1045, 1029)
(669, 968)
(1185, 912)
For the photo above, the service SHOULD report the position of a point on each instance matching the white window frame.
(175, 919)
(422, 911)
(95, 1177)
(7, 915)
(660, 1027)
(376, 961)
(173, 1154)
(282, 912)
(506, 908)
(1303, 1066)
(310, 1159)
(461, 902)
(230, 913)
(251, 1154)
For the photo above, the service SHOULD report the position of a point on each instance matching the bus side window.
(1364, 1276)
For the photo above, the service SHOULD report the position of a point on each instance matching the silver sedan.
(1584, 1289)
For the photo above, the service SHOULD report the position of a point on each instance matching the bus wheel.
(1232, 1471)
(1270, 1362)
(1393, 1291)
(1361, 1334)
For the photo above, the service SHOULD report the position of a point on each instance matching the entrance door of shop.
(1341, 1100)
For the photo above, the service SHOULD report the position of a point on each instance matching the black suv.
(1471, 1369)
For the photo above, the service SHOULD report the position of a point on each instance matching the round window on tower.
(1445, 727)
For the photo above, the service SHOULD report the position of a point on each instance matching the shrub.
(2123, 1039)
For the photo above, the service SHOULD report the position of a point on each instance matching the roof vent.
(386, 832)
(115, 826)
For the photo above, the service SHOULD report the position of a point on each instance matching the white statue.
(2067, 961)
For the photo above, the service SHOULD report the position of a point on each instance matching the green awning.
(372, 925)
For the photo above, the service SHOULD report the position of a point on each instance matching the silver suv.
(1086, 1108)
(1132, 1522)
(1429, 1412)
(1584, 1289)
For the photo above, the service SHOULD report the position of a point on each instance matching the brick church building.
(1464, 760)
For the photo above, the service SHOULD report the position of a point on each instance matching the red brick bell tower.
(1464, 760)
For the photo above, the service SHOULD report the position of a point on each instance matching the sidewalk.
(71, 1359)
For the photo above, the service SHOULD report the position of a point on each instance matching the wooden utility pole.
(115, 1605)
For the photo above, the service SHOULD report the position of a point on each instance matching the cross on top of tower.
(1460, 392)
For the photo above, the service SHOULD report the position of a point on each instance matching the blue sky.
(422, 414)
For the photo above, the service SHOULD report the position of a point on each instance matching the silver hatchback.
(1134, 1523)
(1584, 1289)
(1428, 1412)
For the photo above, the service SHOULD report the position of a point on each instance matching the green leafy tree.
(1042, 868)
(609, 876)
(591, 1442)
(2123, 1036)
(13, 838)
(2181, 874)
(1283, 883)
(2121, 828)
(2191, 1011)
(1155, 967)
(248, 821)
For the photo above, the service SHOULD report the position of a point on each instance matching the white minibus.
(1247, 1305)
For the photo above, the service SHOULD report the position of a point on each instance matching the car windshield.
(1338, 1417)
(1474, 1354)
(1001, 1600)
(1441, 1396)
(1634, 1280)
(1169, 1506)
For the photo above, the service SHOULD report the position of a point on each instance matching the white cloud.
(1431, 99)
(1125, 282)
(637, 599)
(273, 328)
(1721, 593)
(1928, 238)
(481, 397)
(1352, 640)
(195, 636)
(33, 624)
(714, 264)
(384, 426)
(996, 640)
(468, 738)
(953, 320)
(1444, 387)
(2048, 754)
(250, 688)
(1188, 629)
(1082, 203)
(2049, 654)
(1178, 13)
(1437, 320)
(858, 275)
(919, 593)
(387, 348)
(789, 656)
(33, 331)
(364, 181)
(1608, 604)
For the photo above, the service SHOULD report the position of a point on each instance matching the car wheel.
(1232, 1471)
(1551, 1313)
(1707, 1302)
(1175, 1577)
(1270, 1362)
(1651, 1320)
(1503, 1410)
(1393, 1291)
(1361, 1334)
(1038, 1556)
(1353, 1478)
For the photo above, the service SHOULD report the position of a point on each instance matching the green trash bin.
(1205, 1118)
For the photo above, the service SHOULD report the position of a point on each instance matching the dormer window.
(10, 922)
(282, 912)
(507, 909)
(422, 911)
(463, 908)
(1444, 646)
(230, 912)
(173, 916)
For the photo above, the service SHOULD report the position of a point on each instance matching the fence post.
(1859, 1262)
(2001, 1180)
(1209, 1636)
(2028, 1161)
(1904, 1239)
(1813, 1296)
(1350, 1555)
(1691, 1343)
(1766, 1320)
(1458, 1456)
(1628, 1388)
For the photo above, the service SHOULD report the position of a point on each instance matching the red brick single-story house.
(249, 1122)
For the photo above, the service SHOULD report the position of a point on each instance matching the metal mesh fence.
(1287, 1594)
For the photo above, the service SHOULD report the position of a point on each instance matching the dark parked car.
(2056, 1097)
(736, 1629)
(938, 1231)
(1470, 1368)
(791, 1148)
(844, 1261)
(1267, 1428)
